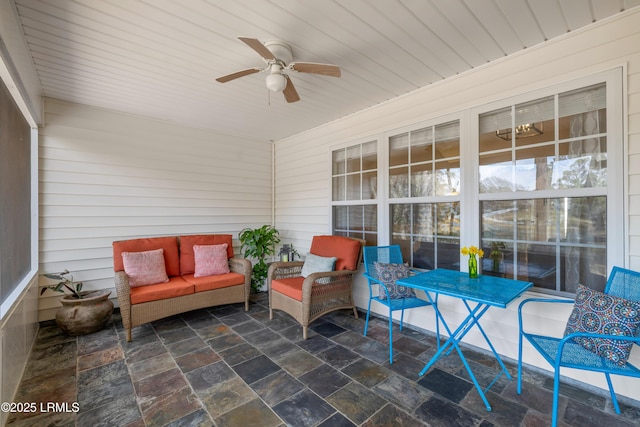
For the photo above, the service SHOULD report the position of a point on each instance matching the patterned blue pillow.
(388, 274)
(599, 313)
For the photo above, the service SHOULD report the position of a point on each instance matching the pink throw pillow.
(145, 268)
(210, 260)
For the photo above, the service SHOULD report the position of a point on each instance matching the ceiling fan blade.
(315, 68)
(290, 92)
(257, 45)
(238, 74)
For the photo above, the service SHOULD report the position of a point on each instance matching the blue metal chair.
(566, 353)
(389, 255)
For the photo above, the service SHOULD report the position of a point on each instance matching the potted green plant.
(82, 312)
(258, 244)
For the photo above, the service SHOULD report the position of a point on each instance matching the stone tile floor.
(226, 367)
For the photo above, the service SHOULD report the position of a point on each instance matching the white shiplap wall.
(303, 168)
(108, 176)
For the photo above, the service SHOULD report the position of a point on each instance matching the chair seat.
(400, 303)
(574, 355)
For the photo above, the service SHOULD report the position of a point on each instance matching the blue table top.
(491, 290)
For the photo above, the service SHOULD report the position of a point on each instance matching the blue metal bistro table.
(482, 292)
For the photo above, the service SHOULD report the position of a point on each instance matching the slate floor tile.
(404, 393)
(251, 414)
(324, 380)
(446, 385)
(277, 387)
(356, 402)
(255, 369)
(197, 359)
(304, 409)
(366, 372)
(226, 395)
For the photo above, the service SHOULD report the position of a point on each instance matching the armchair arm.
(323, 280)
(538, 300)
(282, 270)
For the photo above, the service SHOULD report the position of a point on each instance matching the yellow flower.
(472, 250)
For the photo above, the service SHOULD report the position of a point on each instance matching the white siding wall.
(302, 185)
(108, 176)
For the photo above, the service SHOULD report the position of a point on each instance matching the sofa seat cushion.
(290, 286)
(175, 287)
(169, 244)
(207, 283)
(187, 255)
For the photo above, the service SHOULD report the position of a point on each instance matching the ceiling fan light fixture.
(276, 82)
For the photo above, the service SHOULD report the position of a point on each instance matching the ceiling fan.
(278, 56)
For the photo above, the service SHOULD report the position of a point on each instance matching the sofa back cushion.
(345, 249)
(187, 256)
(169, 244)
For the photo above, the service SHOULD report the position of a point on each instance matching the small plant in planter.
(259, 243)
(75, 288)
(82, 312)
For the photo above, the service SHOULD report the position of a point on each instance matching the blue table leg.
(454, 338)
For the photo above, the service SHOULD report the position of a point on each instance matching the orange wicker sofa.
(183, 291)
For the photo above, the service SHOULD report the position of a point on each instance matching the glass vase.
(473, 266)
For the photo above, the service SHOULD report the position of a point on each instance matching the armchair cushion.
(599, 313)
(210, 260)
(388, 274)
(290, 286)
(145, 268)
(346, 250)
(317, 264)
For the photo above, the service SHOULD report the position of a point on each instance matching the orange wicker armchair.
(307, 299)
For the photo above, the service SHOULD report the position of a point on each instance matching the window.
(355, 191)
(17, 247)
(424, 189)
(543, 184)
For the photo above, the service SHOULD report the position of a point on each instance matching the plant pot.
(84, 316)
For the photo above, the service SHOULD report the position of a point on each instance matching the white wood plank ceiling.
(160, 58)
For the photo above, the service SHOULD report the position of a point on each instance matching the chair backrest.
(384, 254)
(348, 250)
(623, 283)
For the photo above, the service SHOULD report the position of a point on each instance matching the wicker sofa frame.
(145, 312)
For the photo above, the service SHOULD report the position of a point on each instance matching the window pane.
(447, 140)
(338, 162)
(448, 253)
(583, 265)
(421, 180)
(448, 215)
(369, 185)
(400, 219)
(492, 125)
(537, 264)
(421, 145)
(356, 219)
(424, 221)
(584, 220)
(370, 155)
(583, 112)
(399, 150)
(353, 159)
(399, 182)
(353, 187)
(340, 217)
(534, 122)
(447, 181)
(497, 219)
(370, 218)
(339, 190)
(423, 254)
(496, 172)
(581, 164)
(534, 168)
